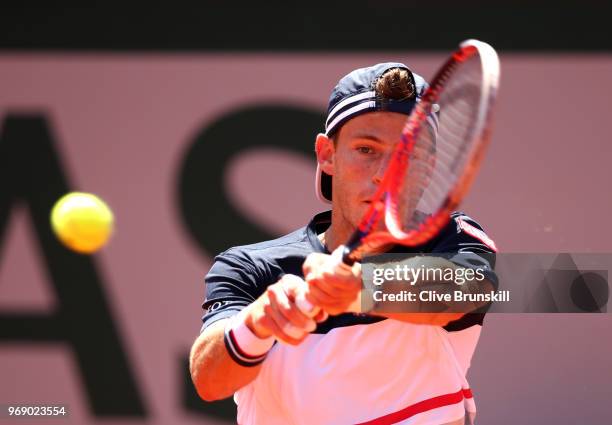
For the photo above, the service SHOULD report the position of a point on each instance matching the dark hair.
(396, 84)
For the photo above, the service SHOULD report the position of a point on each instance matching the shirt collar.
(318, 225)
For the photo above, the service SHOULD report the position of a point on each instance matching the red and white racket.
(435, 160)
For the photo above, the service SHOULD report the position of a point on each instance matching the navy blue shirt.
(241, 274)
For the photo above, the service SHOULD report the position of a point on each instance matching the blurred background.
(196, 124)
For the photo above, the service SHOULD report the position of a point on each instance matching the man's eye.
(365, 149)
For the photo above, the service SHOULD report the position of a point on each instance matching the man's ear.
(324, 148)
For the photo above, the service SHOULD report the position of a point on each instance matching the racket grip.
(346, 258)
(337, 258)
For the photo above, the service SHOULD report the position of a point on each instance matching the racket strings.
(431, 176)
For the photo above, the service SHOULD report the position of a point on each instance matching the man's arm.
(339, 289)
(214, 372)
(434, 312)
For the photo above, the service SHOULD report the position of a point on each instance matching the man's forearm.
(214, 373)
(427, 300)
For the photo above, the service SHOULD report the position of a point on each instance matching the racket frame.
(365, 239)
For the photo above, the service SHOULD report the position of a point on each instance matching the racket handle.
(337, 258)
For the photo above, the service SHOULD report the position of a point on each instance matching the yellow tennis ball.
(82, 222)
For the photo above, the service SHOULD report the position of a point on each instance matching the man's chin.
(354, 214)
(359, 213)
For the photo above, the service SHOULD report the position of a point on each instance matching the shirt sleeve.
(465, 235)
(467, 245)
(231, 284)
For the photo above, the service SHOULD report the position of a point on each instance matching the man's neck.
(337, 233)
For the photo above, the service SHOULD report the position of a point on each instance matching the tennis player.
(284, 367)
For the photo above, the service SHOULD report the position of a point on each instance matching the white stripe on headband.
(350, 111)
(348, 100)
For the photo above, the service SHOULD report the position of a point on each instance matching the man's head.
(367, 112)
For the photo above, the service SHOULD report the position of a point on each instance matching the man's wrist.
(243, 345)
(249, 321)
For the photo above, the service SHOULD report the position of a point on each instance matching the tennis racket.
(435, 161)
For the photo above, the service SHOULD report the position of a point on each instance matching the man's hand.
(337, 288)
(275, 314)
(331, 287)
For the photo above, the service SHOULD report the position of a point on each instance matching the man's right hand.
(275, 313)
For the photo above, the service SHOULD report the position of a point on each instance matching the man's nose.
(382, 169)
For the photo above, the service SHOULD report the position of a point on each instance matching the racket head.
(439, 153)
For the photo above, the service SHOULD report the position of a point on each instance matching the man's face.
(359, 159)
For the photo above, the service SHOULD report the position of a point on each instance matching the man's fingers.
(290, 287)
(341, 279)
(314, 261)
(321, 316)
(268, 322)
(286, 315)
(333, 294)
(281, 327)
(332, 305)
(323, 286)
(318, 297)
